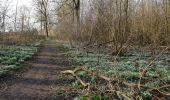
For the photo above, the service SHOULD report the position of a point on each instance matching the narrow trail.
(42, 79)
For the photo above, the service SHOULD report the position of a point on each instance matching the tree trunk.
(77, 15)
(46, 27)
(3, 23)
(16, 12)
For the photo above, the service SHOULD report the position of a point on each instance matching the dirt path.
(42, 80)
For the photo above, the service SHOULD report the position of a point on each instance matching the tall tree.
(16, 13)
(42, 7)
(77, 15)
(24, 16)
(4, 14)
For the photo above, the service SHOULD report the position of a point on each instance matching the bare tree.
(76, 5)
(117, 22)
(16, 13)
(4, 14)
(24, 18)
(42, 8)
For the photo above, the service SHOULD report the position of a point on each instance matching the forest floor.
(40, 79)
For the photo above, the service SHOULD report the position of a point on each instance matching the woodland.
(85, 50)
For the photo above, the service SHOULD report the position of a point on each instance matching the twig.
(147, 67)
(110, 83)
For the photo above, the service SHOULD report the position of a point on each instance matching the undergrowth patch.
(12, 56)
(126, 68)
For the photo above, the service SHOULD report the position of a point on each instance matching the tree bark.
(77, 14)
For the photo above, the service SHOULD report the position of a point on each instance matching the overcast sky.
(12, 10)
(22, 2)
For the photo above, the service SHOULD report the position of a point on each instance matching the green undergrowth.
(12, 56)
(62, 48)
(127, 68)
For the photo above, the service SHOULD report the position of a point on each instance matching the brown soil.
(41, 80)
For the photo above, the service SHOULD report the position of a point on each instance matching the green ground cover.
(126, 68)
(12, 56)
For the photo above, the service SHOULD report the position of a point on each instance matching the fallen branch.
(111, 86)
(148, 67)
(78, 70)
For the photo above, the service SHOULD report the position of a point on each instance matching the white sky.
(22, 2)
(12, 9)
